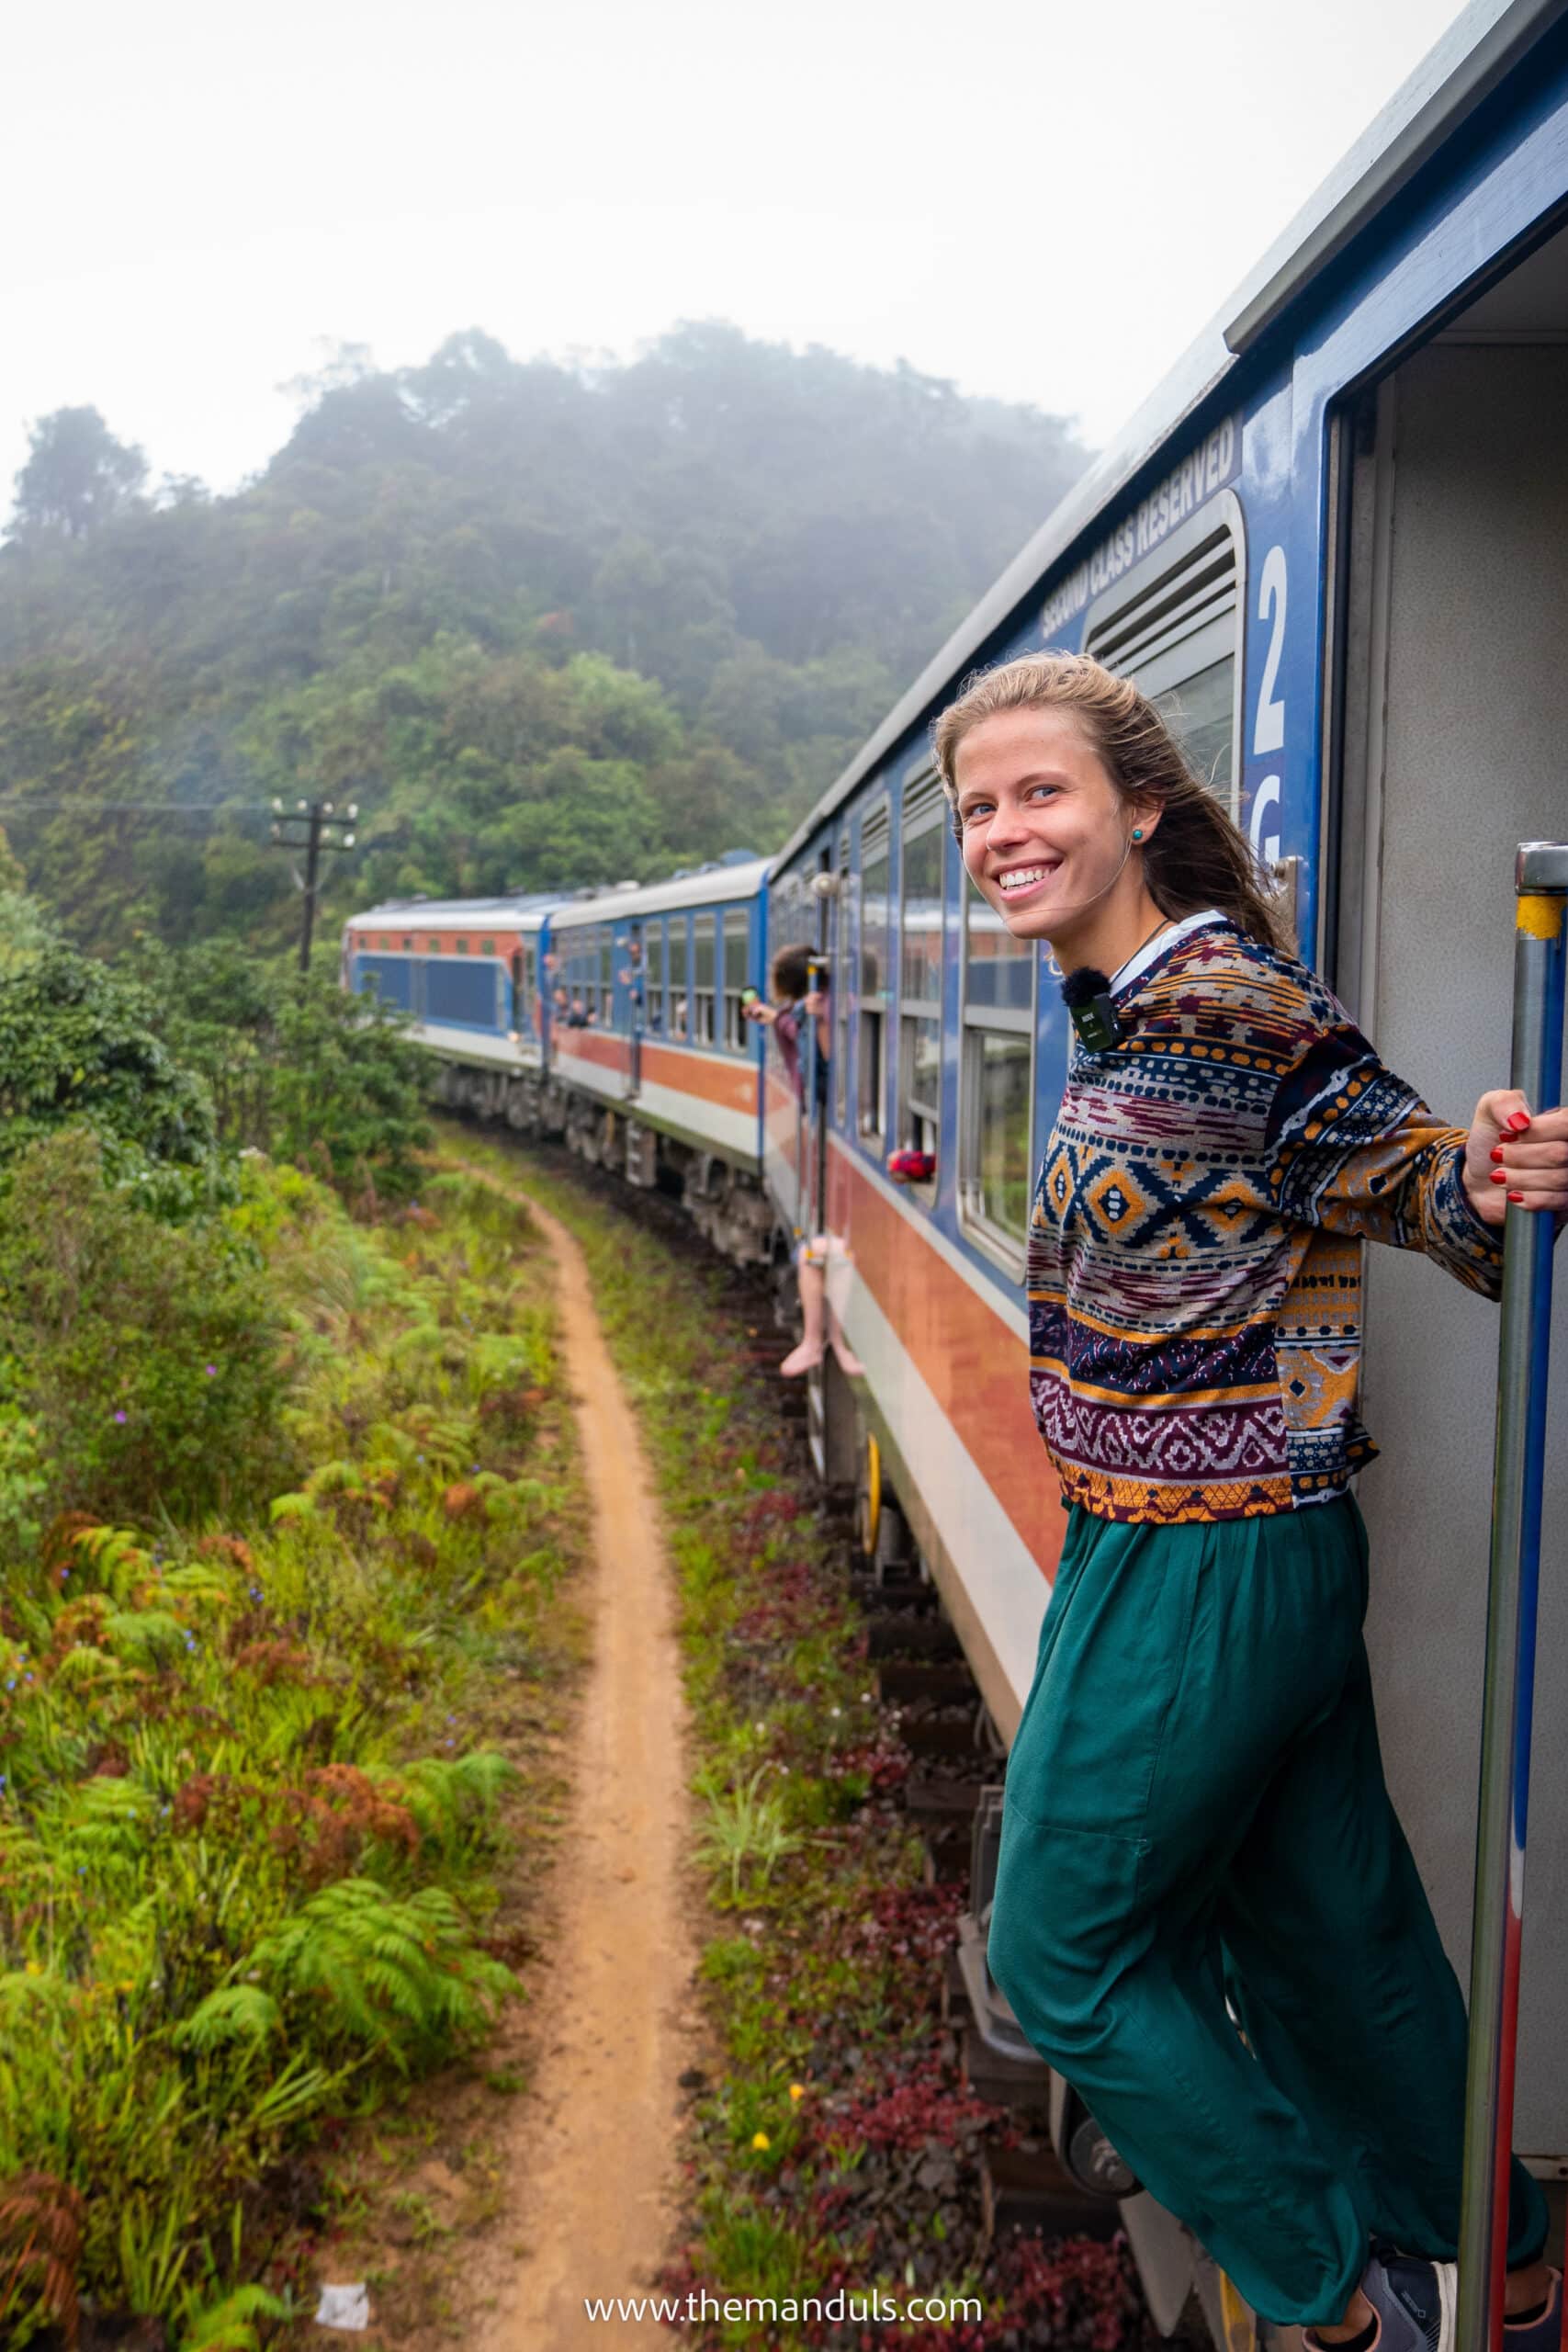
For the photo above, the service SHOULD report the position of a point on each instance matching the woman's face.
(1045, 833)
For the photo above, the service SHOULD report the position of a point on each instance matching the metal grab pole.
(1540, 881)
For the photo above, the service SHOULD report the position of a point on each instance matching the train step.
(1028, 2190)
(1006, 2082)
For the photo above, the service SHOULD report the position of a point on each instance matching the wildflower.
(797, 2091)
(34, 1968)
(212, 1370)
(759, 2139)
(122, 1415)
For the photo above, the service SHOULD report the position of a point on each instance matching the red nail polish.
(1499, 1175)
(1496, 1151)
(1517, 1196)
(1519, 1121)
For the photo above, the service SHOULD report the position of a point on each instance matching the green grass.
(262, 1787)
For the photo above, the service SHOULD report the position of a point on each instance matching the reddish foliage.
(229, 1548)
(41, 2248)
(460, 1500)
(333, 1815)
(275, 1660)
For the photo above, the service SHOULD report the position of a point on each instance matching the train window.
(680, 999)
(462, 946)
(839, 975)
(875, 844)
(1174, 627)
(737, 956)
(702, 979)
(606, 972)
(408, 947)
(996, 1081)
(653, 973)
(920, 968)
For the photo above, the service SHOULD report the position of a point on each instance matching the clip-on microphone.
(1086, 995)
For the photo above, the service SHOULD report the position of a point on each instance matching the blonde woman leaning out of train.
(1195, 1803)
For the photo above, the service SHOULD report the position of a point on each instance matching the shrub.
(145, 1358)
(78, 1047)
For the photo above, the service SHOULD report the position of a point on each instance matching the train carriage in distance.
(1333, 546)
(654, 1069)
(467, 972)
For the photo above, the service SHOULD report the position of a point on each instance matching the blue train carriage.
(1332, 546)
(468, 973)
(654, 1069)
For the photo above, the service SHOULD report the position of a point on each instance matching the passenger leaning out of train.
(1198, 1843)
(796, 1002)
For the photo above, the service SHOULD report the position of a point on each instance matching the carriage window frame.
(735, 925)
(872, 1025)
(924, 811)
(1172, 641)
(839, 969)
(653, 974)
(678, 984)
(977, 1022)
(705, 934)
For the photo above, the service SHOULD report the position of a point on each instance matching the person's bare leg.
(1358, 2318)
(1523, 2289)
(812, 1286)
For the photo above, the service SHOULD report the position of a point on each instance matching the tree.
(77, 476)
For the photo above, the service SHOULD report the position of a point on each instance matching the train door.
(1453, 749)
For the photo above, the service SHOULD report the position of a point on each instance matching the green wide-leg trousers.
(1196, 1808)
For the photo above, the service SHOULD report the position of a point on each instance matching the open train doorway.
(1453, 747)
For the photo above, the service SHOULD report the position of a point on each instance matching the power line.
(140, 808)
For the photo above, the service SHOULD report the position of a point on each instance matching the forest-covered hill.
(545, 623)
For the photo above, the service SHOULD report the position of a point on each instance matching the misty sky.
(1042, 201)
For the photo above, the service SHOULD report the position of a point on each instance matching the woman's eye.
(977, 809)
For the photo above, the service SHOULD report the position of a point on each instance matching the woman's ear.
(1146, 821)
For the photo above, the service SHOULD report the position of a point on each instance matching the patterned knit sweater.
(1194, 1259)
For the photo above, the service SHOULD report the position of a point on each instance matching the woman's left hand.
(1511, 1156)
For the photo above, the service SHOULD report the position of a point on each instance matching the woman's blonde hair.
(1196, 857)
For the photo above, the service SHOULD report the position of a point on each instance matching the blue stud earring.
(1138, 833)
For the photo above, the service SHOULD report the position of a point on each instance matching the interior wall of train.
(1455, 748)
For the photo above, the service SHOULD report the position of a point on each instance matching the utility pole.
(314, 829)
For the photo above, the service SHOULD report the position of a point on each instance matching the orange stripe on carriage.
(976, 1367)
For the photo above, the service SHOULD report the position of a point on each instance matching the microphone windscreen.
(1083, 986)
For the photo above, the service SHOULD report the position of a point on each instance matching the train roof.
(710, 884)
(526, 911)
(1480, 47)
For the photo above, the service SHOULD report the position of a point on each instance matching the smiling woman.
(1196, 1835)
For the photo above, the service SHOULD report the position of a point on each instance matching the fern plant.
(399, 1976)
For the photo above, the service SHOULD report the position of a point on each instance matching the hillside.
(545, 622)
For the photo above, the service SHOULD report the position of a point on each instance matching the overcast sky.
(1042, 198)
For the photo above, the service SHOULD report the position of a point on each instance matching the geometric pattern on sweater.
(1194, 1271)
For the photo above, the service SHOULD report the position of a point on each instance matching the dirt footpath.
(593, 2192)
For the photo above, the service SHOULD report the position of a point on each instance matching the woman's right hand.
(1510, 1155)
